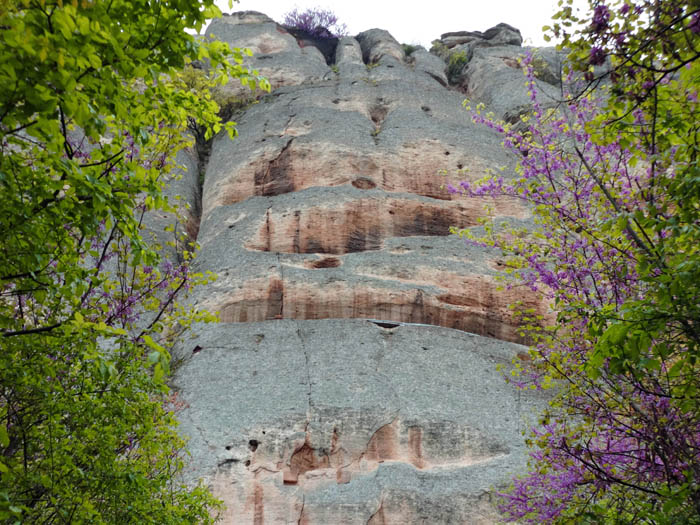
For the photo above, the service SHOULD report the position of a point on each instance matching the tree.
(317, 22)
(92, 114)
(614, 184)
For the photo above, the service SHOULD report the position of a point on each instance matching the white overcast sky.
(421, 22)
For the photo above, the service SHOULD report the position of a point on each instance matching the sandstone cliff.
(353, 378)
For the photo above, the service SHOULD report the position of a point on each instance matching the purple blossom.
(632, 432)
(601, 16)
(597, 56)
(321, 23)
(694, 24)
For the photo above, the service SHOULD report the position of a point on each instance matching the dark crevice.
(377, 114)
(328, 262)
(388, 326)
(324, 41)
(273, 179)
(437, 79)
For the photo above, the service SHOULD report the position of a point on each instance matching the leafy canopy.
(92, 115)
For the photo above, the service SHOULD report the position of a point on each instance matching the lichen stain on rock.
(325, 262)
(384, 444)
(364, 183)
(258, 514)
(303, 460)
(417, 167)
(362, 224)
(481, 308)
(415, 439)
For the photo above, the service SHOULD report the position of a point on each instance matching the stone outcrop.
(480, 61)
(353, 377)
(500, 35)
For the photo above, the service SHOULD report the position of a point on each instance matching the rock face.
(353, 378)
(486, 67)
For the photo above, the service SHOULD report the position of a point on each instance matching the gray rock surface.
(499, 66)
(426, 62)
(480, 61)
(353, 378)
(499, 35)
(277, 55)
(335, 421)
(377, 43)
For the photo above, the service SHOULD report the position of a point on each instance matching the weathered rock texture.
(353, 378)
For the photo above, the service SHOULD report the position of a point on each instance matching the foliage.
(318, 22)
(92, 114)
(440, 49)
(208, 84)
(409, 49)
(455, 65)
(614, 186)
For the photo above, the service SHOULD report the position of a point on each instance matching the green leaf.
(153, 357)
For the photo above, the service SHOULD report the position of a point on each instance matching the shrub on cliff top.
(321, 23)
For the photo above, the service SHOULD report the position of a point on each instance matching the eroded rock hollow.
(353, 378)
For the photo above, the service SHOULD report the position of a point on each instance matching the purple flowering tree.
(612, 179)
(318, 22)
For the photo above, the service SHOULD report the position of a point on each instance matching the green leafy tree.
(93, 111)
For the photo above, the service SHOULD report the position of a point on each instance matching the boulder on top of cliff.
(499, 35)
(457, 48)
(247, 17)
(377, 43)
(503, 34)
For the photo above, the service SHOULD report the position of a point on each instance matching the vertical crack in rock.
(275, 178)
(289, 121)
(377, 114)
(378, 517)
(308, 374)
(280, 314)
(302, 520)
(296, 245)
(418, 314)
(386, 338)
(267, 229)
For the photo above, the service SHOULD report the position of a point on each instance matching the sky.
(421, 22)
